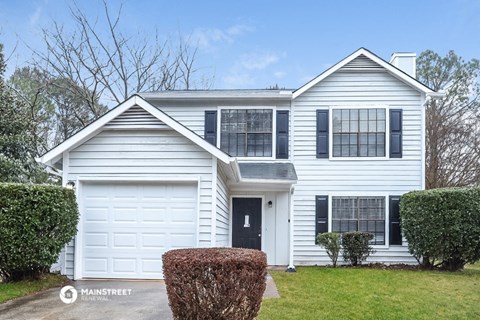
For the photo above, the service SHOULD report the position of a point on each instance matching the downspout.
(291, 266)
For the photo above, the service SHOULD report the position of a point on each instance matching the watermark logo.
(68, 294)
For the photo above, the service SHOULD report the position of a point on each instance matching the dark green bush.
(442, 226)
(215, 283)
(356, 247)
(332, 243)
(36, 221)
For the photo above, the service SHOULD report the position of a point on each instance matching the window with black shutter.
(322, 133)
(321, 215)
(282, 134)
(211, 127)
(395, 230)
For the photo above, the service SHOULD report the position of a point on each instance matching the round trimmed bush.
(36, 221)
(215, 283)
(442, 226)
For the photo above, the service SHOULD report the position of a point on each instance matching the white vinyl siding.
(223, 212)
(350, 88)
(145, 153)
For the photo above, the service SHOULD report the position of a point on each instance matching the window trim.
(363, 194)
(245, 107)
(361, 106)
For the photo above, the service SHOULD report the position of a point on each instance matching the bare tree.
(106, 64)
(452, 123)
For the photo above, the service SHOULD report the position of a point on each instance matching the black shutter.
(211, 127)
(321, 215)
(282, 134)
(395, 133)
(395, 231)
(322, 133)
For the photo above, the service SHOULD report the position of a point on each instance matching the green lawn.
(344, 293)
(13, 290)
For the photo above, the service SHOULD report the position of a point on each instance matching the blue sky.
(255, 44)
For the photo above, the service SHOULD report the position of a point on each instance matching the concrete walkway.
(138, 300)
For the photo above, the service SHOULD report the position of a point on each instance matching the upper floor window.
(246, 132)
(359, 132)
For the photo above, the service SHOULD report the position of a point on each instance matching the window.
(246, 132)
(359, 132)
(365, 214)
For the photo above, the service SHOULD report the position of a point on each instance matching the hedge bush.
(36, 221)
(215, 283)
(332, 243)
(356, 247)
(442, 226)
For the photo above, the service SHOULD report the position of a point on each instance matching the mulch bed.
(383, 266)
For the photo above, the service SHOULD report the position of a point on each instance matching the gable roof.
(93, 128)
(362, 51)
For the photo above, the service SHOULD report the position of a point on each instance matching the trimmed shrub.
(36, 221)
(442, 226)
(356, 247)
(332, 243)
(215, 283)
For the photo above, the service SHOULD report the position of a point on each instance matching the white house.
(264, 169)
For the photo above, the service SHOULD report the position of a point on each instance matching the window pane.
(337, 139)
(363, 114)
(345, 124)
(363, 126)
(337, 121)
(337, 151)
(353, 125)
(353, 114)
(380, 125)
(372, 114)
(381, 114)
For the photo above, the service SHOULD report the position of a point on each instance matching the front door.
(247, 223)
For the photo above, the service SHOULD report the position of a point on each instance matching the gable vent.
(136, 118)
(361, 63)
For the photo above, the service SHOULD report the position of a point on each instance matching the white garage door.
(128, 226)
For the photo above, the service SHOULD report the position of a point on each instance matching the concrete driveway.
(101, 299)
(147, 300)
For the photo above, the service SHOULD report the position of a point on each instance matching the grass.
(347, 293)
(14, 290)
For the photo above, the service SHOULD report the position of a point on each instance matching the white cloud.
(239, 29)
(258, 61)
(279, 74)
(207, 38)
(252, 66)
(238, 80)
(35, 17)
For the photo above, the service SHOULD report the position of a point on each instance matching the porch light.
(270, 204)
(70, 185)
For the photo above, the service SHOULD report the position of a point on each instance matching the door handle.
(259, 234)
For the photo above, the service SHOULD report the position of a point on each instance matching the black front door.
(247, 223)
